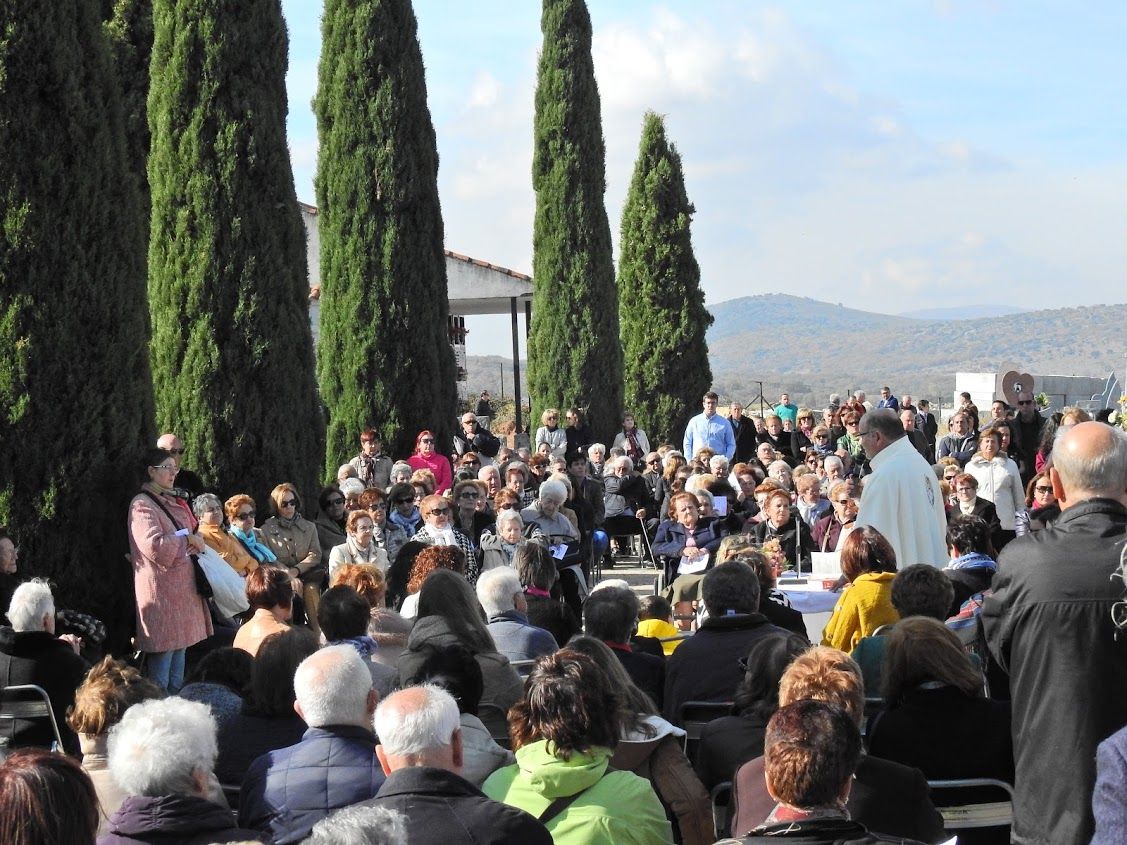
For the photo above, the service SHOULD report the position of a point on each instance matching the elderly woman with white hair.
(161, 754)
(497, 549)
(30, 653)
(546, 515)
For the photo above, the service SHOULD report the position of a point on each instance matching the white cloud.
(484, 92)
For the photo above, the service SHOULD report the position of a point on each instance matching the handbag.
(228, 590)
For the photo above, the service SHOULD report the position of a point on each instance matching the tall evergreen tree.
(232, 349)
(384, 354)
(75, 394)
(663, 315)
(130, 32)
(574, 353)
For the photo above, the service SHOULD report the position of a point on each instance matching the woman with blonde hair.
(293, 540)
(111, 687)
(550, 431)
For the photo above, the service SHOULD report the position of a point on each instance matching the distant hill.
(813, 348)
(970, 312)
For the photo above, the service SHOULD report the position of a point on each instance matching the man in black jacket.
(473, 438)
(744, 431)
(421, 752)
(30, 653)
(1049, 625)
(706, 667)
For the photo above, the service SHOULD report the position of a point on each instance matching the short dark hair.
(654, 607)
(969, 534)
(609, 614)
(271, 679)
(711, 394)
(343, 613)
(398, 491)
(922, 590)
(226, 666)
(810, 750)
(46, 797)
(326, 494)
(729, 588)
(535, 565)
(152, 458)
(268, 587)
(453, 668)
(765, 663)
(568, 701)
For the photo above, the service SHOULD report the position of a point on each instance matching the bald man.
(1049, 626)
(421, 752)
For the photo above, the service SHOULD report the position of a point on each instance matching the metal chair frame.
(980, 815)
(10, 711)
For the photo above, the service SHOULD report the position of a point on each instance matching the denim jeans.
(166, 669)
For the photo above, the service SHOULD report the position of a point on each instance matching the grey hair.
(1103, 473)
(497, 589)
(352, 487)
(833, 461)
(159, 746)
(623, 460)
(779, 464)
(205, 501)
(505, 517)
(706, 495)
(596, 447)
(31, 601)
(401, 466)
(360, 824)
(553, 491)
(418, 729)
(332, 687)
(486, 471)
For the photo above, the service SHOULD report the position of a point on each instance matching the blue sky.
(890, 156)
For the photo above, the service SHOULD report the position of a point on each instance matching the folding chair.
(978, 815)
(523, 667)
(27, 702)
(693, 716)
(721, 796)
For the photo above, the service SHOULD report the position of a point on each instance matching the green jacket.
(619, 809)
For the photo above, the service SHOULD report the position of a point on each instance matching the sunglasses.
(378, 506)
(438, 511)
(1025, 402)
(245, 515)
(1040, 489)
(289, 503)
(469, 495)
(332, 503)
(176, 451)
(403, 502)
(841, 501)
(427, 440)
(509, 507)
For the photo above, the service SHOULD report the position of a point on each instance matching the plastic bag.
(228, 588)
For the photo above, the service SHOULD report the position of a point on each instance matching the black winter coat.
(1048, 625)
(443, 808)
(36, 657)
(180, 819)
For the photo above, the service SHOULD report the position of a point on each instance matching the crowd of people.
(440, 652)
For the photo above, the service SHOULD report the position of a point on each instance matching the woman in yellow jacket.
(869, 564)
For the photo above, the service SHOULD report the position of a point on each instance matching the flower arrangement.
(1119, 416)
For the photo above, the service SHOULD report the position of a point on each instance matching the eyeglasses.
(162, 466)
(470, 495)
(553, 417)
(176, 451)
(841, 501)
(378, 506)
(471, 463)
(438, 511)
(403, 501)
(507, 507)
(245, 515)
(289, 503)
(821, 437)
(332, 503)
(1025, 402)
(1042, 490)
(654, 461)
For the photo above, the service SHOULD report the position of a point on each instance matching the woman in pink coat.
(426, 457)
(171, 614)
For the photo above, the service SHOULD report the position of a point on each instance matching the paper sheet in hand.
(693, 566)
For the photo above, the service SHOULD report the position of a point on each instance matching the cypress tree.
(663, 315)
(384, 354)
(130, 33)
(574, 353)
(232, 350)
(75, 394)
